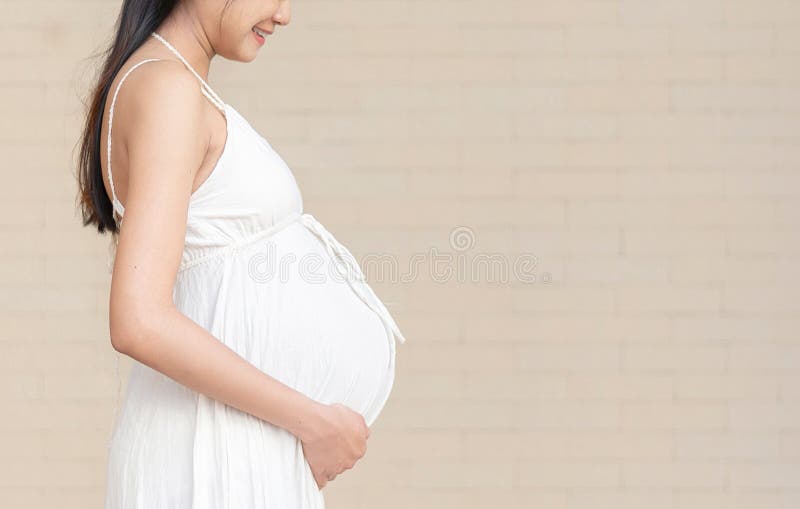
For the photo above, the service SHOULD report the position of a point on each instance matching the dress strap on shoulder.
(116, 204)
(204, 87)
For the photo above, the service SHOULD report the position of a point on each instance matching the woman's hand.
(336, 444)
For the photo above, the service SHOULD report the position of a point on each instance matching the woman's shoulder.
(149, 90)
(144, 80)
(159, 118)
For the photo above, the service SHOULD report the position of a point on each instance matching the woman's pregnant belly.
(330, 344)
(281, 304)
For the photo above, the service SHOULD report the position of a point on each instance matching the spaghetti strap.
(116, 204)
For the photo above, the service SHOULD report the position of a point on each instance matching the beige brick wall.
(644, 152)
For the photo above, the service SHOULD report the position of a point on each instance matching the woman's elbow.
(123, 332)
(129, 327)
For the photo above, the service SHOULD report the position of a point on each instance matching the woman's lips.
(257, 31)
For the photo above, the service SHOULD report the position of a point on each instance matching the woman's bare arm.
(159, 117)
(168, 341)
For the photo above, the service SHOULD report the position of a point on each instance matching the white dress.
(250, 274)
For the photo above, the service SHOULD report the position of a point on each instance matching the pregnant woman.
(263, 356)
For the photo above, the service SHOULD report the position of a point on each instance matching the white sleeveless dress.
(317, 328)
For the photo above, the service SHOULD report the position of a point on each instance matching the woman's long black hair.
(137, 19)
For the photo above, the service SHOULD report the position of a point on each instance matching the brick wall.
(631, 164)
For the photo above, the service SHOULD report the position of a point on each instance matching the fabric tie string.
(354, 276)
